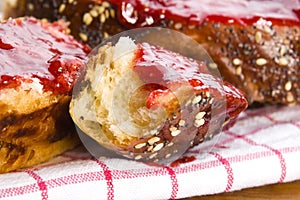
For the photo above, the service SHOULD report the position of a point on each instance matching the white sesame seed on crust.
(168, 155)
(288, 86)
(181, 122)
(140, 145)
(138, 157)
(237, 61)
(258, 37)
(199, 122)
(87, 19)
(197, 99)
(282, 50)
(261, 61)
(153, 155)
(200, 115)
(70, 1)
(62, 8)
(238, 70)
(178, 26)
(170, 144)
(175, 133)
(152, 140)
(173, 128)
(150, 148)
(94, 13)
(213, 65)
(83, 36)
(112, 13)
(158, 147)
(102, 18)
(105, 4)
(283, 61)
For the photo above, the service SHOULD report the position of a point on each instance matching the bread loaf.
(151, 104)
(39, 64)
(254, 44)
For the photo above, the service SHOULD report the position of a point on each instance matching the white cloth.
(262, 148)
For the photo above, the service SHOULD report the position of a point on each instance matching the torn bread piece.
(151, 104)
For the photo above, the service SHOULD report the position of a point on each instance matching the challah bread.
(150, 104)
(254, 44)
(39, 64)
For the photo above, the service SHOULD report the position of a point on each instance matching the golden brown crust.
(33, 137)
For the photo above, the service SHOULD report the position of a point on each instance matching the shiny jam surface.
(31, 50)
(138, 13)
(167, 70)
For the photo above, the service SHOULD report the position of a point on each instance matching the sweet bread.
(254, 44)
(151, 104)
(39, 64)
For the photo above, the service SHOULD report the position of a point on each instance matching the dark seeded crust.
(91, 21)
(263, 61)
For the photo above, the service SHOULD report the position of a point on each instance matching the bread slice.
(34, 98)
(147, 103)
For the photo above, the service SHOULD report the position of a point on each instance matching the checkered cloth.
(262, 148)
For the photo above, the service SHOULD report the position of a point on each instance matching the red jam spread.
(166, 69)
(139, 13)
(31, 50)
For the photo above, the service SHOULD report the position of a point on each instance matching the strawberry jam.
(170, 70)
(139, 13)
(32, 50)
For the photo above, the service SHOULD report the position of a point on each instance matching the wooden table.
(286, 191)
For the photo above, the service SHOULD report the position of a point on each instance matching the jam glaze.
(169, 71)
(140, 13)
(32, 50)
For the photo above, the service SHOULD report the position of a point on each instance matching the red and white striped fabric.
(262, 148)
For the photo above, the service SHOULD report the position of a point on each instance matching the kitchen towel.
(263, 147)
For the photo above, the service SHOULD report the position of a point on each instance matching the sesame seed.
(105, 35)
(175, 133)
(282, 50)
(181, 122)
(200, 115)
(170, 144)
(258, 37)
(238, 70)
(106, 14)
(150, 148)
(141, 145)
(94, 13)
(178, 26)
(213, 65)
(112, 13)
(83, 36)
(289, 97)
(197, 99)
(261, 61)
(283, 61)
(102, 18)
(199, 122)
(87, 18)
(158, 147)
(168, 155)
(237, 61)
(153, 155)
(152, 140)
(173, 128)
(68, 30)
(30, 6)
(288, 86)
(70, 1)
(207, 94)
(105, 4)
(100, 9)
(61, 8)
(138, 157)
(156, 160)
